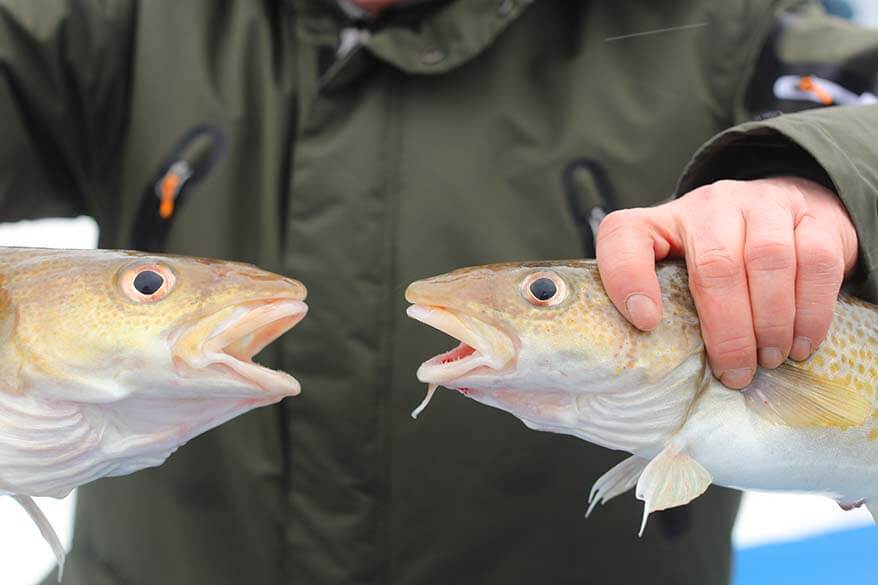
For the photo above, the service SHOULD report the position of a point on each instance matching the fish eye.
(544, 289)
(147, 282)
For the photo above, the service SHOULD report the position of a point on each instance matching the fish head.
(546, 326)
(147, 351)
(98, 326)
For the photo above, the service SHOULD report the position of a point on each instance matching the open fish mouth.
(224, 343)
(482, 346)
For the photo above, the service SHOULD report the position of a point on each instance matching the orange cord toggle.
(808, 85)
(168, 188)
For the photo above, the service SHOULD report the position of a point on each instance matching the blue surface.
(841, 558)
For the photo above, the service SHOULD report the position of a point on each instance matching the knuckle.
(772, 329)
(720, 186)
(717, 190)
(736, 350)
(814, 314)
(616, 222)
(794, 198)
(706, 193)
(622, 277)
(820, 260)
(770, 256)
(716, 269)
(815, 311)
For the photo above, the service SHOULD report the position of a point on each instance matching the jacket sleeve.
(805, 104)
(63, 100)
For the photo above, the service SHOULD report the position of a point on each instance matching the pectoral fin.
(672, 479)
(873, 509)
(795, 397)
(30, 506)
(616, 481)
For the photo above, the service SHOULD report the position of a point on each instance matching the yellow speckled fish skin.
(64, 312)
(572, 364)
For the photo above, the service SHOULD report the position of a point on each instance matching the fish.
(543, 341)
(111, 360)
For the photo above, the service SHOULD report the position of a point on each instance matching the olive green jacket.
(358, 160)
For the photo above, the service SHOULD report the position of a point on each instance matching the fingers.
(819, 276)
(766, 260)
(626, 254)
(718, 281)
(770, 259)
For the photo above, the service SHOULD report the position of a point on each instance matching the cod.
(544, 342)
(111, 360)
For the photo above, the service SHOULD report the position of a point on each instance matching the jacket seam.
(384, 395)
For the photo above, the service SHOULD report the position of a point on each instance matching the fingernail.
(801, 349)
(736, 378)
(642, 311)
(770, 357)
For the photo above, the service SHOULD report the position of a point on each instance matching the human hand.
(766, 260)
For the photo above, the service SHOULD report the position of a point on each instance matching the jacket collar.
(448, 36)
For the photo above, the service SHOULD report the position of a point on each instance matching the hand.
(766, 260)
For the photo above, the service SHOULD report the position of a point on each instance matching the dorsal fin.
(792, 396)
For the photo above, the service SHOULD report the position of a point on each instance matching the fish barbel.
(111, 360)
(544, 342)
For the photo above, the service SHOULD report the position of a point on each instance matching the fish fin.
(30, 506)
(873, 509)
(616, 481)
(672, 479)
(794, 397)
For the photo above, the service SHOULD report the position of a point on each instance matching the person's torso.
(492, 131)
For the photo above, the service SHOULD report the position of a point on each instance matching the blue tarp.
(841, 558)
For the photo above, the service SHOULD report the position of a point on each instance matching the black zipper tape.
(571, 177)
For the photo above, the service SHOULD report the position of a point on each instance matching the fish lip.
(230, 346)
(493, 349)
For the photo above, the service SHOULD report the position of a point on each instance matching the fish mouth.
(222, 345)
(482, 346)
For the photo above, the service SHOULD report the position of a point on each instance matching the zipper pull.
(169, 186)
(807, 84)
(189, 161)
